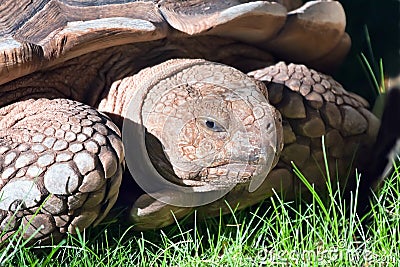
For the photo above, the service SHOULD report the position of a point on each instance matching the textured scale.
(321, 107)
(63, 176)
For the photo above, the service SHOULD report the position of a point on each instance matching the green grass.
(375, 74)
(372, 67)
(323, 232)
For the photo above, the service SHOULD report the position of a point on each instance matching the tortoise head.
(214, 123)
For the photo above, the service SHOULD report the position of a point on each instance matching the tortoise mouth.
(221, 175)
(226, 175)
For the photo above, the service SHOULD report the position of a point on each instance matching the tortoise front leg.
(60, 159)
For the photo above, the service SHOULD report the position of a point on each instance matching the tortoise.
(88, 87)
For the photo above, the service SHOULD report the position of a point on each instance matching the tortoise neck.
(115, 102)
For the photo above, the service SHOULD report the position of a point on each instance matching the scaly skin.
(60, 158)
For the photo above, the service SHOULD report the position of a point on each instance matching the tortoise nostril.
(258, 156)
(254, 157)
(269, 127)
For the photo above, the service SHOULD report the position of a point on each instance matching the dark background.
(381, 17)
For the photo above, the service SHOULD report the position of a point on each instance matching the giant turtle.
(92, 89)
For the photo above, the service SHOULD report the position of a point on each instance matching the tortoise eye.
(210, 124)
(214, 126)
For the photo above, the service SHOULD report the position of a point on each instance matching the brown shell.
(38, 34)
